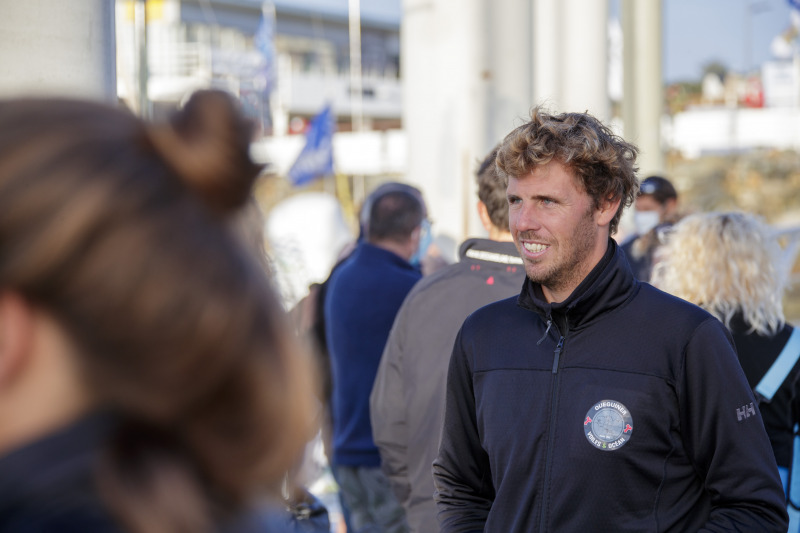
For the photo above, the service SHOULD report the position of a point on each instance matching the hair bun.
(207, 143)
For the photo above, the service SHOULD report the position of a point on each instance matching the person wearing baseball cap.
(656, 209)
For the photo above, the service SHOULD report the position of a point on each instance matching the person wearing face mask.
(656, 210)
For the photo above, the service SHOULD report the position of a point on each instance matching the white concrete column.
(509, 67)
(547, 54)
(584, 61)
(643, 102)
(467, 82)
(58, 47)
(443, 49)
(571, 56)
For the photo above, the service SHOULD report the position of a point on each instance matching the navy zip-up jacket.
(620, 409)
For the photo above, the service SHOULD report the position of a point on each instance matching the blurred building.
(285, 60)
(58, 49)
(740, 113)
(192, 44)
(429, 102)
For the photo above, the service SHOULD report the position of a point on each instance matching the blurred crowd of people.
(551, 379)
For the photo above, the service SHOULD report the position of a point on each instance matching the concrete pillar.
(643, 101)
(467, 82)
(571, 56)
(58, 47)
(444, 107)
(584, 59)
(547, 54)
(508, 73)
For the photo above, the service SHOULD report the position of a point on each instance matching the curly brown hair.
(604, 162)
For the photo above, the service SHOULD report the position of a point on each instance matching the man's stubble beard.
(568, 272)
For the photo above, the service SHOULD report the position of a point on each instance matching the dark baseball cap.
(659, 188)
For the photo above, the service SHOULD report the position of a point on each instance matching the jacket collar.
(486, 250)
(610, 284)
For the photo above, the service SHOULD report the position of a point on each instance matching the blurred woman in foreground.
(147, 382)
(727, 263)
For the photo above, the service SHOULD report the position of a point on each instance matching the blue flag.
(316, 158)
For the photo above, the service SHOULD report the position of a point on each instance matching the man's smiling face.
(559, 232)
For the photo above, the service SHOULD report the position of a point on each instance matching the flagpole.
(140, 25)
(346, 200)
(356, 91)
(356, 85)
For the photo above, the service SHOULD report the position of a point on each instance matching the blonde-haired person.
(148, 382)
(727, 263)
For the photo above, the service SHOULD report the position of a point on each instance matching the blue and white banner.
(316, 158)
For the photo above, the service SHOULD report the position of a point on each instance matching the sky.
(696, 32)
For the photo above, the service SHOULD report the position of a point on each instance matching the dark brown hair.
(119, 230)
(492, 190)
(394, 215)
(603, 162)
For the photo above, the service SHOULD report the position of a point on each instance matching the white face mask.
(645, 221)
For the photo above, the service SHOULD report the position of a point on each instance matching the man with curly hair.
(592, 401)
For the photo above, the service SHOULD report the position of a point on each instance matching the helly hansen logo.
(746, 411)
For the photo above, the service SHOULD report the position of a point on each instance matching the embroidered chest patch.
(608, 425)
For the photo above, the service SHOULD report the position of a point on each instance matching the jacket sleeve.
(461, 472)
(387, 411)
(725, 438)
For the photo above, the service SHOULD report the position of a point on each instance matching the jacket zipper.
(550, 433)
(557, 354)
